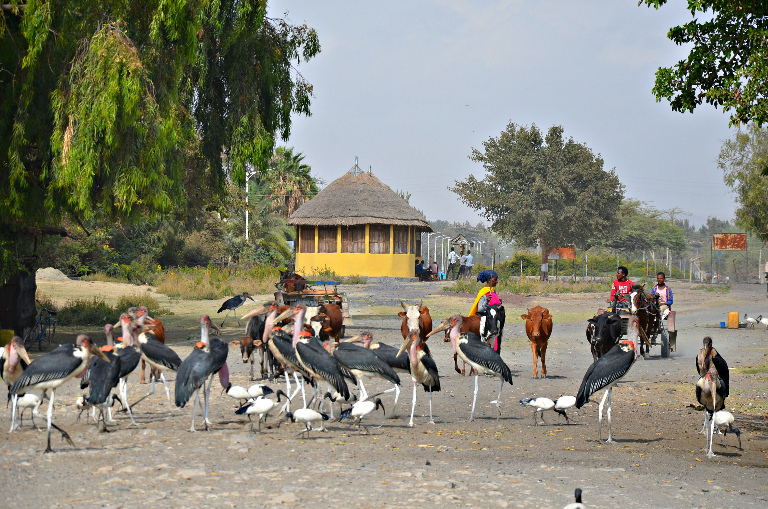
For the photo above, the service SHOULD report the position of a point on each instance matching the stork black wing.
(722, 371)
(323, 363)
(477, 351)
(357, 357)
(104, 377)
(429, 363)
(54, 365)
(605, 371)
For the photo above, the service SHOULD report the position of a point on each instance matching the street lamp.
(248, 176)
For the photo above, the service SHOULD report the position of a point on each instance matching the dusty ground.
(656, 460)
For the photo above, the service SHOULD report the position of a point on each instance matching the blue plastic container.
(722, 325)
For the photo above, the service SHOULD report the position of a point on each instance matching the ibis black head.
(278, 394)
(578, 495)
(380, 404)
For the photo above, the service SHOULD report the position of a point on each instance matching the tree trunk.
(17, 302)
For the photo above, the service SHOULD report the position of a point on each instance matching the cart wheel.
(664, 344)
(673, 341)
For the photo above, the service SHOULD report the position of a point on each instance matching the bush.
(87, 312)
(213, 283)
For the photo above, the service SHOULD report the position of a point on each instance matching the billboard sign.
(729, 241)
(562, 253)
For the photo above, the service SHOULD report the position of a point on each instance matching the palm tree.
(287, 182)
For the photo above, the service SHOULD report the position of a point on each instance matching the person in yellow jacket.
(487, 295)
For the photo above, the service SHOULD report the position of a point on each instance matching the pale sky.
(411, 87)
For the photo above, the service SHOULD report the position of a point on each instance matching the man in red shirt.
(621, 285)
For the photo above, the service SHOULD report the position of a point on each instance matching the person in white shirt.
(452, 259)
(468, 270)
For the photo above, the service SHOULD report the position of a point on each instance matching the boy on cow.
(621, 286)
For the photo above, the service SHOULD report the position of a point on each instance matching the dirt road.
(655, 461)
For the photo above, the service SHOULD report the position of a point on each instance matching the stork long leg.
(64, 434)
(152, 379)
(207, 400)
(610, 397)
(498, 399)
(363, 393)
(194, 409)
(474, 399)
(303, 394)
(711, 454)
(600, 414)
(225, 318)
(167, 392)
(431, 420)
(124, 394)
(413, 403)
(14, 399)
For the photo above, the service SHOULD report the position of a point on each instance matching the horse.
(646, 308)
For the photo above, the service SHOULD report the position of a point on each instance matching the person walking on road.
(452, 259)
(468, 270)
(462, 266)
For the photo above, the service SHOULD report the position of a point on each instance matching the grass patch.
(210, 283)
(713, 288)
(531, 287)
(752, 370)
(94, 311)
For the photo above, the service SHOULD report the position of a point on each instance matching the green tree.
(547, 189)
(726, 65)
(121, 111)
(742, 160)
(287, 181)
(643, 229)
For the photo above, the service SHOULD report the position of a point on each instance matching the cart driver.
(665, 294)
(621, 286)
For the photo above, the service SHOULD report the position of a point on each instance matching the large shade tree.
(742, 160)
(726, 65)
(122, 110)
(543, 188)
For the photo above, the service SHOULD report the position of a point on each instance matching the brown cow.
(416, 317)
(538, 326)
(329, 315)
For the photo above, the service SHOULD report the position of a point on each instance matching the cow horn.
(421, 303)
(404, 306)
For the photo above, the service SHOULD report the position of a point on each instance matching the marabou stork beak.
(406, 344)
(263, 310)
(354, 339)
(282, 316)
(213, 326)
(443, 326)
(95, 350)
(249, 297)
(22, 353)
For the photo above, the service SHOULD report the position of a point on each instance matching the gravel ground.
(655, 461)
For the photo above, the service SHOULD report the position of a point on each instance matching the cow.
(416, 317)
(253, 343)
(538, 327)
(603, 332)
(331, 320)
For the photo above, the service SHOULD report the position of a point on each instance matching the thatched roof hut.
(358, 198)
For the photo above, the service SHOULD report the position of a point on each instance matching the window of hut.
(400, 235)
(353, 239)
(416, 244)
(307, 239)
(326, 239)
(378, 239)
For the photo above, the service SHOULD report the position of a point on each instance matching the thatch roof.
(357, 198)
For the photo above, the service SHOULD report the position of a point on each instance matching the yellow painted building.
(358, 226)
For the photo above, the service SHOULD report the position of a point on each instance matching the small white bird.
(764, 321)
(260, 406)
(752, 321)
(257, 390)
(83, 406)
(577, 504)
(562, 404)
(361, 409)
(306, 416)
(237, 392)
(540, 404)
(724, 422)
(29, 400)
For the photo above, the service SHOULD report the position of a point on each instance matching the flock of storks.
(304, 357)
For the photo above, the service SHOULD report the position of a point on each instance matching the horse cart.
(652, 327)
(294, 288)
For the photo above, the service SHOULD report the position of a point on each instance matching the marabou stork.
(159, 356)
(281, 348)
(712, 357)
(306, 416)
(711, 388)
(360, 410)
(232, 305)
(540, 404)
(423, 369)
(149, 324)
(389, 354)
(208, 358)
(363, 362)
(604, 373)
(14, 360)
(476, 353)
(129, 358)
(103, 377)
(51, 370)
(260, 406)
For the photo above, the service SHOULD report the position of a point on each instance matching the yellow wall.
(362, 264)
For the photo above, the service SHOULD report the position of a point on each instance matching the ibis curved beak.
(443, 326)
(95, 350)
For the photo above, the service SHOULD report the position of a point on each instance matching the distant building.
(358, 226)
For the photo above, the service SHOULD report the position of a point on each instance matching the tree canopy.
(727, 62)
(121, 110)
(644, 230)
(743, 160)
(543, 188)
